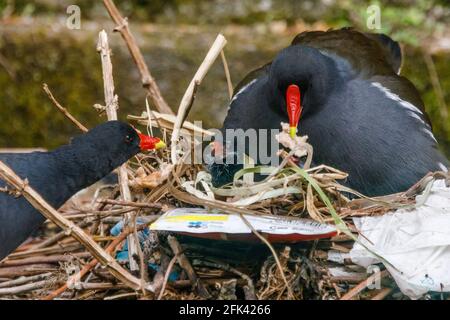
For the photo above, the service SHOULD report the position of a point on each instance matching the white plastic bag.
(416, 242)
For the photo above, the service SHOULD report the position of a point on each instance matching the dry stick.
(60, 248)
(191, 103)
(72, 229)
(227, 74)
(186, 265)
(63, 110)
(77, 277)
(34, 269)
(23, 288)
(111, 112)
(166, 276)
(44, 259)
(361, 286)
(142, 263)
(122, 295)
(211, 56)
(352, 279)
(23, 280)
(108, 81)
(132, 204)
(147, 80)
(100, 286)
(55, 238)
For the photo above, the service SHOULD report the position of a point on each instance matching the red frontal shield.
(294, 109)
(150, 143)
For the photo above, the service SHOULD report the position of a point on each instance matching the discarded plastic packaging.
(198, 222)
(416, 242)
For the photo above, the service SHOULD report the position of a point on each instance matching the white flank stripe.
(443, 168)
(415, 115)
(428, 132)
(413, 110)
(396, 98)
(243, 89)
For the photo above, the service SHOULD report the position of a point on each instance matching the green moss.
(73, 72)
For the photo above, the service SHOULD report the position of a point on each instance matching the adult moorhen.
(360, 115)
(59, 174)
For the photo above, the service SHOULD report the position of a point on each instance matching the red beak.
(150, 143)
(294, 108)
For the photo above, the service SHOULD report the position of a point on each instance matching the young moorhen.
(59, 174)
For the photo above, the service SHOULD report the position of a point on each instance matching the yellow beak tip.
(160, 145)
(293, 132)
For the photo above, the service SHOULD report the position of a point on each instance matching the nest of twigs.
(180, 267)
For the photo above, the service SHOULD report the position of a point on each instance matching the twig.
(72, 229)
(23, 288)
(30, 270)
(100, 286)
(111, 112)
(23, 280)
(352, 279)
(95, 215)
(166, 121)
(227, 74)
(122, 295)
(147, 80)
(361, 286)
(63, 110)
(142, 263)
(44, 259)
(55, 238)
(73, 279)
(186, 265)
(191, 103)
(132, 204)
(166, 276)
(60, 248)
(108, 81)
(211, 56)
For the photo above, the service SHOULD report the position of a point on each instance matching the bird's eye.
(128, 139)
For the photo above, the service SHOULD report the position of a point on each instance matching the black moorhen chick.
(59, 174)
(359, 114)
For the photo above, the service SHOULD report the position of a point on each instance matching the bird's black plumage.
(359, 114)
(59, 174)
